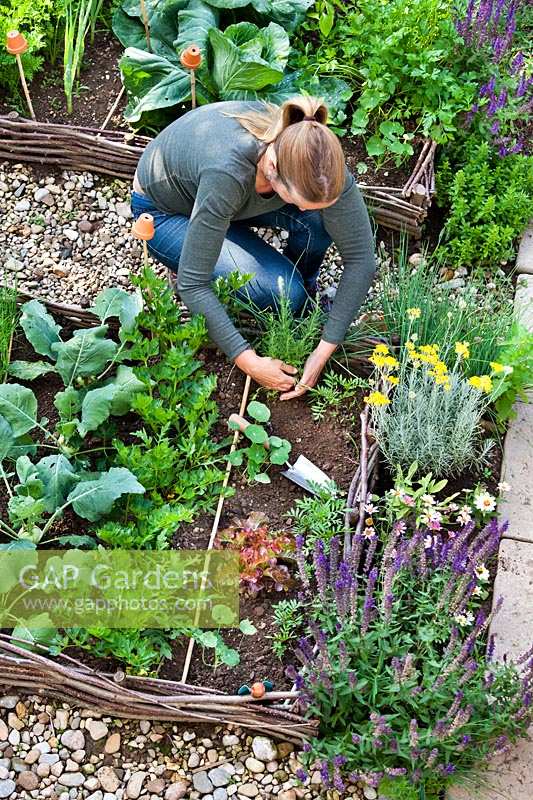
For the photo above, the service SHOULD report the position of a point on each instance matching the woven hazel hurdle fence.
(117, 153)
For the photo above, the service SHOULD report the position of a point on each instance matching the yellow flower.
(380, 360)
(429, 348)
(376, 399)
(462, 349)
(393, 379)
(481, 382)
(381, 348)
(410, 345)
(413, 313)
(497, 367)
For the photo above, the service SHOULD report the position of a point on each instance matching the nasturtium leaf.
(91, 499)
(247, 627)
(18, 405)
(229, 656)
(207, 639)
(222, 615)
(275, 441)
(261, 477)
(29, 370)
(235, 458)
(279, 456)
(375, 146)
(58, 477)
(40, 328)
(256, 434)
(258, 411)
(86, 353)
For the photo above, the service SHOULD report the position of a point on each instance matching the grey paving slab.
(507, 778)
(524, 260)
(517, 470)
(523, 301)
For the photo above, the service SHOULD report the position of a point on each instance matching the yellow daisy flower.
(393, 379)
(462, 349)
(376, 399)
(481, 382)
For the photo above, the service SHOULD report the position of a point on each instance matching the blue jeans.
(246, 252)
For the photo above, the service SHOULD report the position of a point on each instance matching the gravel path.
(67, 236)
(53, 751)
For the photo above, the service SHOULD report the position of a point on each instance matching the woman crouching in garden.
(222, 168)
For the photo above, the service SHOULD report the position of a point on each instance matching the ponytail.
(309, 156)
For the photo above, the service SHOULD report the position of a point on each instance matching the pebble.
(177, 790)
(40, 194)
(254, 765)
(9, 701)
(71, 234)
(108, 778)
(28, 780)
(370, 793)
(7, 787)
(248, 790)
(113, 744)
(71, 779)
(73, 739)
(264, 749)
(135, 784)
(202, 783)
(4, 731)
(97, 729)
(22, 205)
(219, 776)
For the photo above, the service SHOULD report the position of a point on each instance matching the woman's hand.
(269, 372)
(312, 370)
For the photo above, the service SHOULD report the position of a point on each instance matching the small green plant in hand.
(333, 393)
(264, 449)
(288, 618)
(286, 335)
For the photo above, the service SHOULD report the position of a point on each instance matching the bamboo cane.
(216, 521)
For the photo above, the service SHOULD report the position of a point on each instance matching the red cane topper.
(16, 43)
(191, 58)
(258, 690)
(143, 227)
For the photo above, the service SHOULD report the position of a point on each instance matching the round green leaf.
(262, 477)
(258, 411)
(256, 434)
(247, 627)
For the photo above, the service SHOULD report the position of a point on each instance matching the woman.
(224, 167)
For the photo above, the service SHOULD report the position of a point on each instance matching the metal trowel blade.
(304, 473)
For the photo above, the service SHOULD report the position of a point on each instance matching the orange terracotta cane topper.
(16, 43)
(143, 227)
(191, 58)
(257, 689)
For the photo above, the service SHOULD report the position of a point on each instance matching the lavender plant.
(505, 98)
(394, 663)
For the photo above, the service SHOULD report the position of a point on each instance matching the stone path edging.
(510, 777)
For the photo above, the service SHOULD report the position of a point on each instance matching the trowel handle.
(242, 423)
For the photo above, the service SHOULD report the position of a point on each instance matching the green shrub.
(488, 201)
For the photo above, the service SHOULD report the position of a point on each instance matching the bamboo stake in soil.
(25, 86)
(113, 108)
(216, 522)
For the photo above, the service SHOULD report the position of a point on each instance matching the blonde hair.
(309, 156)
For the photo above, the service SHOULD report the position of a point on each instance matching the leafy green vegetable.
(40, 328)
(93, 499)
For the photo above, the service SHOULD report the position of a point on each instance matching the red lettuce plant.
(260, 550)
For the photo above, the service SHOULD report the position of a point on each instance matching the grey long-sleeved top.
(203, 165)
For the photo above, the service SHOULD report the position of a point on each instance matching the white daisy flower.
(503, 486)
(485, 502)
(482, 573)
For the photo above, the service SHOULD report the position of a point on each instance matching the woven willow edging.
(129, 697)
(116, 153)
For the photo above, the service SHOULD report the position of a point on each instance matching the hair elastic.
(308, 118)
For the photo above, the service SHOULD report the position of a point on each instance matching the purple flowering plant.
(395, 664)
(504, 100)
